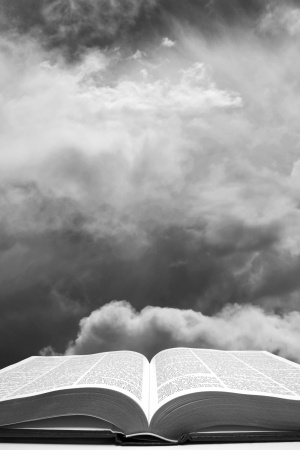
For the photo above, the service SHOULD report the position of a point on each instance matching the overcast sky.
(149, 176)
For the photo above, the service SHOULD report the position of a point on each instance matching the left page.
(123, 371)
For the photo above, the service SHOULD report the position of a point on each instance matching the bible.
(183, 394)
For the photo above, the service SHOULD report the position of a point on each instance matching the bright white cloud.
(166, 42)
(119, 325)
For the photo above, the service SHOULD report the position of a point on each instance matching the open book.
(180, 394)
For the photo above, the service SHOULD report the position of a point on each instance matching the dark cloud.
(160, 165)
(74, 25)
(51, 278)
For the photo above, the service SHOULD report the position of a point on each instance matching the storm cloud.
(149, 152)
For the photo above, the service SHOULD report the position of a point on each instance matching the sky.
(149, 176)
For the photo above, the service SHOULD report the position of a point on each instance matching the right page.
(180, 371)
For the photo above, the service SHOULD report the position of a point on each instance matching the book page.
(181, 371)
(280, 371)
(123, 371)
(175, 372)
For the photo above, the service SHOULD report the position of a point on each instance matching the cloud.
(166, 42)
(86, 20)
(118, 325)
(281, 19)
(74, 25)
(48, 351)
(169, 178)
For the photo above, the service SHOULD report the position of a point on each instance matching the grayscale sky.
(149, 176)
